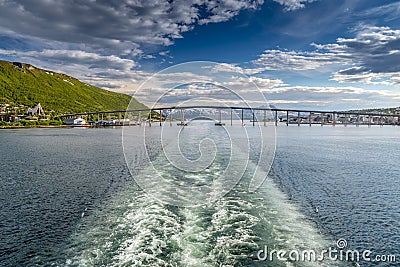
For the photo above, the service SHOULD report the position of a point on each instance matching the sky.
(305, 54)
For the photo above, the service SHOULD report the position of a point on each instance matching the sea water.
(68, 198)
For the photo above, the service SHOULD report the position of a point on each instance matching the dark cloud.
(376, 53)
(376, 49)
(352, 71)
(121, 25)
(82, 37)
(372, 56)
(332, 98)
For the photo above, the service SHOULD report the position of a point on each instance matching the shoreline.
(48, 126)
(113, 126)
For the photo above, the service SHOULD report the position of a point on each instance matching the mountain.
(213, 114)
(268, 106)
(24, 84)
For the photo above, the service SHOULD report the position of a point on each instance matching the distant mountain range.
(24, 84)
(214, 114)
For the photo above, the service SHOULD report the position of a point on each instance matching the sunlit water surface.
(68, 199)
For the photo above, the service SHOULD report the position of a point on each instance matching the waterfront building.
(75, 121)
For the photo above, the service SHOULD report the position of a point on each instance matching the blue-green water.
(68, 199)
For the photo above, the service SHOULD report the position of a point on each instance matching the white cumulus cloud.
(371, 57)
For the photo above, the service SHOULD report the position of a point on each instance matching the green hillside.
(379, 110)
(24, 84)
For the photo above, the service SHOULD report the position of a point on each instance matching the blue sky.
(325, 54)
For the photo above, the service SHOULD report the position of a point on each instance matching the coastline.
(45, 126)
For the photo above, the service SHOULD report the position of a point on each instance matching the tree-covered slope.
(27, 85)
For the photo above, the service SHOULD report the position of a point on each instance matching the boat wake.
(135, 229)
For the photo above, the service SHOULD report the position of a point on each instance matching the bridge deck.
(301, 116)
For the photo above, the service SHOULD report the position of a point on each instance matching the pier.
(160, 115)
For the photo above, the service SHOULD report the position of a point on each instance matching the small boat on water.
(182, 123)
(219, 122)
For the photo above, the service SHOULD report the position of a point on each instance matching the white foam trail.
(133, 229)
(286, 227)
(193, 240)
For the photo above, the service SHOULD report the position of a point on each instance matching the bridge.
(257, 115)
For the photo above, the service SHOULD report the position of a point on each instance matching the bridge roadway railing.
(288, 116)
